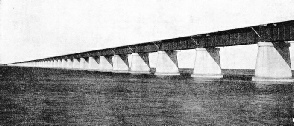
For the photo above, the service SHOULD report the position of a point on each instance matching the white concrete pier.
(273, 62)
(76, 63)
(55, 64)
(93, 63)
(120, 63)
(69, 63)
(63, 63)
(84, 63)
(207, 63)
(140, 63)
(51, 63)
(167, 63)
(105, 63)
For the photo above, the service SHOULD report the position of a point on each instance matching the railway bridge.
(273, 59)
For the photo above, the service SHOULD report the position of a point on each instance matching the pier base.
(93, 63)
(167, 63)
(140, 63)
(105, 63)
(51, 63)
(69, 63)
(83, 63)
(55, 63)
(207, 63)
(47, 64)
(63, 63)
(60, 63)
(273, 62)
(44, 64)
(120, 64)
(76, 63)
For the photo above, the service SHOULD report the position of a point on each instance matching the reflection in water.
(31, 96)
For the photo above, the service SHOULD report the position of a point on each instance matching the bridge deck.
(272, 32)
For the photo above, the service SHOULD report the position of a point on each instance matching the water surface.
(36, 96)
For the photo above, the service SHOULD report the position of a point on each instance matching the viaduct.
(273, 58)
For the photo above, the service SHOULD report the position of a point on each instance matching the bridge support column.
(63, 63)
(273, 62)
(106, 63)
(54, 63)
(84, 63)
(50, 64)
(120, 63)
(207, 63)
(59, 63)
(140, 63)
(93, 63)
(76, 63)
(69, 63)
(167, 63)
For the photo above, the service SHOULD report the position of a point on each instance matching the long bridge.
(273, 60)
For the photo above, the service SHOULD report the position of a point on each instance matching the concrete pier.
(93, 63)
(140, 63)
(55, 64)
(76, 63)
(63, 63)
(120, 63)
(69, 63)
(60, 63)
(50, 64)
(45, 64)
(84, 63)
(273, 62)
(207, 63)
(167, 63)
(105, 63)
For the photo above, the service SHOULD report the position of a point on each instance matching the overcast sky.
(33, 29)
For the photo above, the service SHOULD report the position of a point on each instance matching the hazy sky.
(33, 29)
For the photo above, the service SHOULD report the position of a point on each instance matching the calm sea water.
(35, 96)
